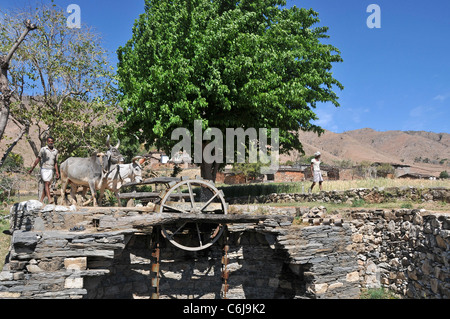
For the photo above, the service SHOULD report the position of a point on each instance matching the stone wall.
(64, 252)
(404, 250)
(374, 195)
(50, 257)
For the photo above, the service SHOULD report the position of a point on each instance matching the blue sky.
(396, 77)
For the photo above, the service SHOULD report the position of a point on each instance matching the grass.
(378, 293)
(380, 182)
(4, 241)
(430, 206)
(302, 187)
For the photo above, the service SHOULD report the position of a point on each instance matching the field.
(382, 182)
(303, 187)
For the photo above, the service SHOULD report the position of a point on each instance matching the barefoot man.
(48, 157)
(315, 171)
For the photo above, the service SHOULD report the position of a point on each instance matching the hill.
(425, 152)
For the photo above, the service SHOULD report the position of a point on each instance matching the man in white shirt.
(48, 157)
(315, 171)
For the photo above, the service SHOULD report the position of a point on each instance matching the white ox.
(89, 172)
(120, 174)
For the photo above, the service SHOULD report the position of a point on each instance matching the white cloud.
(421, 111)
(327, 117)
(440, 97)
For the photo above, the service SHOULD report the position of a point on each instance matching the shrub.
(260, 189)
(378, 293)
(358, 202)
(13, 163)
(407, 205)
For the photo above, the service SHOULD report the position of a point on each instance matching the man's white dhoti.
(317, 177)
(47, 174)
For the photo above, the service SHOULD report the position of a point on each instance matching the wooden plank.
(186, 206)
(155, 180)
(139, 195)
(146, 221)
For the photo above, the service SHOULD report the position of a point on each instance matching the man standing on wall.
(315, 171)
(48, 157)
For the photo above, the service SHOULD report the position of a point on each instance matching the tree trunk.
(4, 83)
(209, 171)
(5, 97)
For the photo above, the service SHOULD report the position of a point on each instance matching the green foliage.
(444, 174)
(344, 163)
(63, 81)
(260, 189)
(249, 170)
(358, 202)
(7, 189)
(231, 64)
(378, 293)
(384, 169)
(407, 205)
(13, 163)
(362, 169)
(129, 145)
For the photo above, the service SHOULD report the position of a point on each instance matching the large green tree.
(246, 64)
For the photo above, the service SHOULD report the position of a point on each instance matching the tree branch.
(11, 146)
(30, 26)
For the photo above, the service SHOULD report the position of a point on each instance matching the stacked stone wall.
(370, 195)
(404, 250)
(316, 256)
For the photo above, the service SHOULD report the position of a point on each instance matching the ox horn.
(118, 144)
(107, 141)
(140, 158)
(136, 158)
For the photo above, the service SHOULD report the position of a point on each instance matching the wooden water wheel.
(204, 198)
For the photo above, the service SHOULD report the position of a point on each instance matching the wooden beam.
(139, 195)
(156, 180)
(151, 220)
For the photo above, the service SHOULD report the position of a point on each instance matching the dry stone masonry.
(404, 250)
(374, 195)
(70, 252)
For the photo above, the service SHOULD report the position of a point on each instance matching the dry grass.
(380, 182)
(4, 241)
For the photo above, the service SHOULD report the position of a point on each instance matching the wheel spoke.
(191, 195)
(199, 236)
(170, 236)
(209, 202)
(175, 208)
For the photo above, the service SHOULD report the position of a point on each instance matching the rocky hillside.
(425, 152)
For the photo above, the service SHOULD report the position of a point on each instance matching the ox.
(120, 174)
(91, 171)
